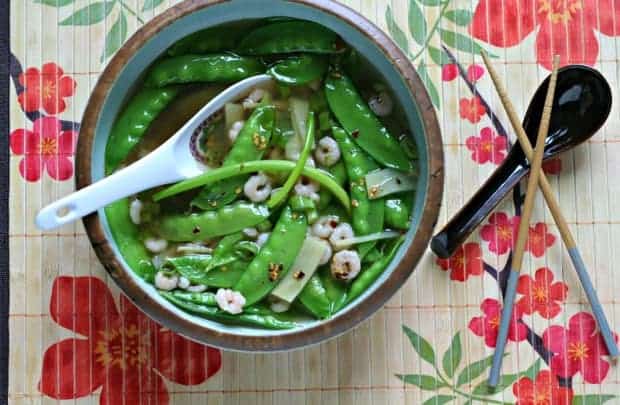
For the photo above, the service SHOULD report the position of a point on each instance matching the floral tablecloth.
(76, 339)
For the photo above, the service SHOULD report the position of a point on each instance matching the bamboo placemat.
(433, 333)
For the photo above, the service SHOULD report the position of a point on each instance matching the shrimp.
(325, 225)
(258, 187)
(345, 265)
(342, 232)
(166, 282)
(327, 152)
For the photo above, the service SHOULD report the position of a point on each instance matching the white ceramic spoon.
(170, 162)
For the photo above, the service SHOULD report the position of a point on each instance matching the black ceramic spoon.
(581, 106)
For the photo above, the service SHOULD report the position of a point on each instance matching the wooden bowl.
(123, 72)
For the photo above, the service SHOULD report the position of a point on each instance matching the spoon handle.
(455, 232)
(153, 170)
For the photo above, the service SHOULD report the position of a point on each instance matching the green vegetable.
(320, 176)
(224, 252)
(275, 258)
(204, 298)
(127, 239)
(209, 224)
(223, 68)
(192, 267)
(214, 313)
(371, 274)
(336, 290)
(250, 144)
(215, 39)
(315, 299)
(358, 120)
(286, 188)
(306, 263)
(398, 212)
(133, 121)
(306, 205)
(299, 69)
(339, 172)
(367, 215)
(224, 276)
(289, 37)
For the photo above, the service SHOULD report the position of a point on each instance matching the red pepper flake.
(355, 133)
(274, 271)
(355, 203)
(298, 275)
(196, 230)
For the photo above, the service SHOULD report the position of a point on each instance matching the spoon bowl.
(171, 162)
(581, 106)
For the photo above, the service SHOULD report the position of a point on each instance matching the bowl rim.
(312, 334)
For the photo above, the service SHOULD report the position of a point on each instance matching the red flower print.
(577, 349)
(541, 294)
(539, 240)
(449, 72)
(46, 88)
(466, 261)
(565, 27)
(545, 390)
(123, 352)
(474, 72)
(471, 109)
(488, 324)
(552, 166)
(488, 147)
(501, 232)
(46, 146)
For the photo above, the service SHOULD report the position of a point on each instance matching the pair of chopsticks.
(538, 177)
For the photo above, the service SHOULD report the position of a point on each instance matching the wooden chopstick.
(558, 217)
(524, 225)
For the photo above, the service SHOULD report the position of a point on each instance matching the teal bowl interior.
(236, 10)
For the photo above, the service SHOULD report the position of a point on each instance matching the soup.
(308, 186)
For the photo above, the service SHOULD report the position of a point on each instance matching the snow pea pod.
(203, 298)
(209, 40)
(250, 144)
(289, 37)
(371, 274)
(263, 320)
(358, 120)
(336, 290)
(275, 257)
(299, 69)
(357, 162)
(339, 172)
(224, 252)
(127, 239)
(314, 298)
(133, 121)
(221, 68)
(367, 215)
(209, 224)
(398, 212)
